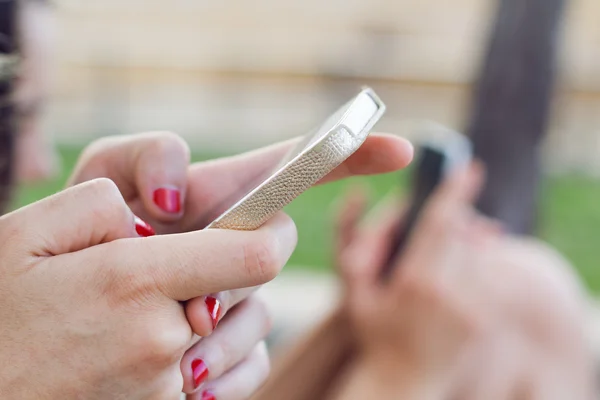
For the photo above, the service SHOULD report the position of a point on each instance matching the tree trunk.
(511, 108)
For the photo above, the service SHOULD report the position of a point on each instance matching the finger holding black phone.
(437, 158)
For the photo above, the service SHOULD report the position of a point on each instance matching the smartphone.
(436, 159)
(315, 156)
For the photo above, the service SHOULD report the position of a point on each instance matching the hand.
(399, 322)
(458, 318)
(152, 172)
(91, 310)
(229, 365)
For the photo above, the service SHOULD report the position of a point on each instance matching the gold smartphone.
(315, 156)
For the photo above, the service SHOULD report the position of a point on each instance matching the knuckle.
(170, 142)
(106, 199)
(162, 347)
(105, 186)
(260, 259)
(106, 190)
(97, 147)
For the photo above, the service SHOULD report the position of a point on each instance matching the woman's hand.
(414, 326)
(91, 310)
(151, 170)
(467, 313)
(232, 363)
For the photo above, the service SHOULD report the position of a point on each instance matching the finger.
(348, 218)
(215, 185)
(241, 382)
(151, 165)
(79, 217)
(364, 257)
(204, 313)
(442, 225)
(379, 154)
(481, 229)
(462, 187)
(244, 327)
(194, 264)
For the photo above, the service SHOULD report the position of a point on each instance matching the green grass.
(570, 215)
(570, 221)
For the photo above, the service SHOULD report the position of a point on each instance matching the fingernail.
(214, 309)
(199, 372)
(208, 395)
(143, 228)
(169, 200)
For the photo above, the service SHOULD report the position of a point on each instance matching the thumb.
(76, 218)
(365, 256)
(151, 166)
(188, 265)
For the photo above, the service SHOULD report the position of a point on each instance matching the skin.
(36, 157)
(469, 313)
(113, 301)
(138, 165)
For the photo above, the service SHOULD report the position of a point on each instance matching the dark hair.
(8, 60)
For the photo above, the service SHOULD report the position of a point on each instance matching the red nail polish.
(214, 309)
(208, 395)
(143, 228)
(169, 200)
(199, 372)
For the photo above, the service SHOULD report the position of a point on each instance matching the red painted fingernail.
(199, 372)
(169, 200)
(208, 395)
(214, 309)
(143, 228)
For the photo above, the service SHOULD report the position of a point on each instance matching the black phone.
(434, 162)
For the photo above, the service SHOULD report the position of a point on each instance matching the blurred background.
(231, 76)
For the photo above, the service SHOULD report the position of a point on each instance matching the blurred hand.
(91, 310)
(456, 318)
(417, 322)
(35, 156)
